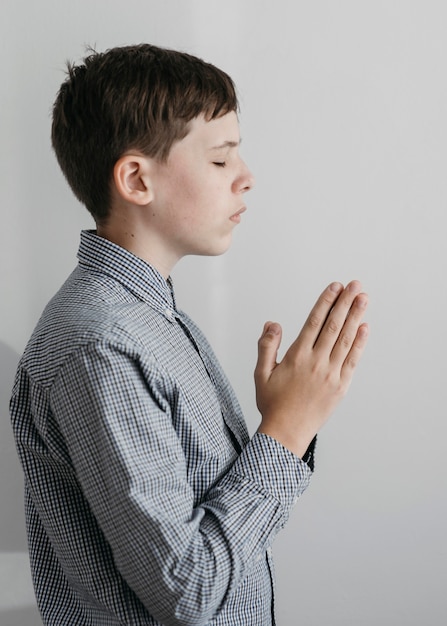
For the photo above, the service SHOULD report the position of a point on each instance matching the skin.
(190, 204)
(296, 396)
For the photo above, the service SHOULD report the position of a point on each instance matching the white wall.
(344, 124)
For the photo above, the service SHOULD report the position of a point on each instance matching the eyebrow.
(227, 144)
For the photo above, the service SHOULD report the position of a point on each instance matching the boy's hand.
(297, 395)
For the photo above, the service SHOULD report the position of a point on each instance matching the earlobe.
(131, 176)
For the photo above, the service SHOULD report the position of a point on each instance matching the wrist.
(297, 442)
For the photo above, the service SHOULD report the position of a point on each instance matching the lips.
(237, 216)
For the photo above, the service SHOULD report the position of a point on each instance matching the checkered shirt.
(146, 500)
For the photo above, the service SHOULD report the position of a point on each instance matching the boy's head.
(131, 98)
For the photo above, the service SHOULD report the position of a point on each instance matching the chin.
(221, 250)
(215, 250)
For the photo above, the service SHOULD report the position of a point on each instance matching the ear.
(131, 175)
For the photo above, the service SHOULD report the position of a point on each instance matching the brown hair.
(136, 97)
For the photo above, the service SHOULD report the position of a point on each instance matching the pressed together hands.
(296, 396)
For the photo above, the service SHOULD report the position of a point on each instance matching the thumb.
(268, 346)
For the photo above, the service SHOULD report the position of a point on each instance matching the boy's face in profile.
(198, 193)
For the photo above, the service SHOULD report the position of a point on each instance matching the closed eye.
(219, 163)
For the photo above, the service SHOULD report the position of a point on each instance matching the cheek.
(187, 186)
(200, 197)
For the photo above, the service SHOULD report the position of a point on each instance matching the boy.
(146, 501)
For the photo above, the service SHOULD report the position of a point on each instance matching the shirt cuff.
(275, 469)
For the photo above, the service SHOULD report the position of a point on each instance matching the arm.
(181, 559)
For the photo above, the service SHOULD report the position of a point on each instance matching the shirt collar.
(143, 280)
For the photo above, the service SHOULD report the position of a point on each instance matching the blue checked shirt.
(146, 501)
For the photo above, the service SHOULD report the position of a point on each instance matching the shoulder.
(88, 310)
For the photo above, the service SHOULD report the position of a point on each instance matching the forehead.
(219, 133)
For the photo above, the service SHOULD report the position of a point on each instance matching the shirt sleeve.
(182, 560)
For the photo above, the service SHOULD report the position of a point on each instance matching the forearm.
(197, 561)
(181, 556)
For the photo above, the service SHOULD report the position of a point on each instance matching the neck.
(139, 243)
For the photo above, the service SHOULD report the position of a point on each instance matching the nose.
(245, 180)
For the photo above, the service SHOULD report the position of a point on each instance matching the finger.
(353, 357)
(318, 316)
(336, 318)
(349, 330)
(268, 346)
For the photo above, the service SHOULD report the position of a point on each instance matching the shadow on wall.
(17, 604)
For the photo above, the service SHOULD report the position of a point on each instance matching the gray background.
(344, 125)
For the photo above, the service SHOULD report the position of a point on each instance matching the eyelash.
(219, 163)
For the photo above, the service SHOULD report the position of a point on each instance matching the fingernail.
(354, 286)
(361, 302)
(335, 287)
(364, 331)
(272, 329)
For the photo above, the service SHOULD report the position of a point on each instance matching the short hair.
(138, 97)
